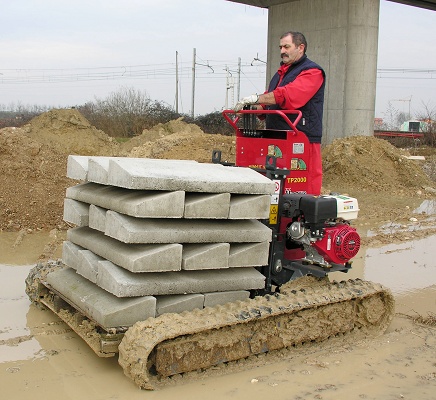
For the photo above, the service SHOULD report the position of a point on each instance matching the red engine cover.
(339, 244)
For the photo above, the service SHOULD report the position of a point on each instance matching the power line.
(163, 71)
(141, 71)
(404, 70)
(406, 73)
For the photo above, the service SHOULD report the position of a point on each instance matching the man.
(297, 85)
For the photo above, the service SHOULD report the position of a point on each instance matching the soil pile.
(179, 140)
(67, 131)
(33, 162)
(32, 182)
(374, 164)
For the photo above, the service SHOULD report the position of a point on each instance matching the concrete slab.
(70, 253)
(123, 283)
(98, 169)
(205, 256)
(106, 309)
(217, 298)
(135, 258)
(178, 303)
(249, 206)
(249, 254)
(76, 212)
(148, 174)
(97, 218)
(136, 203)
(207, 205)
(77, 167)
(87, 265)
(134, 230)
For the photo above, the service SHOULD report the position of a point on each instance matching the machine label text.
(297, 179)
(298, 148)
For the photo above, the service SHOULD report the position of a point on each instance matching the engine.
(321, 227)
(339, 245)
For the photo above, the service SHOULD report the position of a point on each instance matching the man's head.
(293, 46)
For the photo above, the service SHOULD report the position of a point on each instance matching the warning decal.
(273, 213)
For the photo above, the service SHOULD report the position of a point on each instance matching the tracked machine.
(311, 236)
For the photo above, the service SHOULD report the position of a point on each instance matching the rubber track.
(137, 349)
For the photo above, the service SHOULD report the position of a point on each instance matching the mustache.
(284, 54)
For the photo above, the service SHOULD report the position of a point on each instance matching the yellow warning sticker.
(273, 211)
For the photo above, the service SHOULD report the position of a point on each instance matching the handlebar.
(282, 113)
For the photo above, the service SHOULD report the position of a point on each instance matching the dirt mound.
(69, 132)
(387, 185)
(160, 131)
(179, 140)
(374, 164)
(32, 182)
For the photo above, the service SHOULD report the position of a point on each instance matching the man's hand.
(253, 99)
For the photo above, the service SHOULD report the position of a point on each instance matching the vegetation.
(17, 115)
(428, 114)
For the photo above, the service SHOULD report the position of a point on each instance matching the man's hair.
(297, 38)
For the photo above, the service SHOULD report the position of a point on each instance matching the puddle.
(16, 341)
(405, 267)
(19, 249)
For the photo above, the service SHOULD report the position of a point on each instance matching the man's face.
(289, 52)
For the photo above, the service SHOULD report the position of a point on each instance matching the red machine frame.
(290, 148)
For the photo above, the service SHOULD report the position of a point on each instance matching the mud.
(40, 357)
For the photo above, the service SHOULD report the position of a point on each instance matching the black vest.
(311, 121)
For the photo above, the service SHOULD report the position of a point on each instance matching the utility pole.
(409, 100)
(193, 84)
(177, 83)
(239, 78)
(194, 63)
(229, 86)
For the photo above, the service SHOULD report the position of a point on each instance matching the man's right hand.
(246, 101)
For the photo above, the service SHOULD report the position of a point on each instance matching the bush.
(19, 115)
(214, 123)
(126, 113)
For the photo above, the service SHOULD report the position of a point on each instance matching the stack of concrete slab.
(157, 236)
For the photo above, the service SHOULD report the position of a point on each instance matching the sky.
(58, 53)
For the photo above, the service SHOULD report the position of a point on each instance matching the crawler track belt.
(176, 343)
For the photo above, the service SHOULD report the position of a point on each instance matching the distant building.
(414, 126)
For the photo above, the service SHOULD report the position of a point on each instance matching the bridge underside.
(428, 4)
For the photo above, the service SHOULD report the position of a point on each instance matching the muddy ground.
(40, 357)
